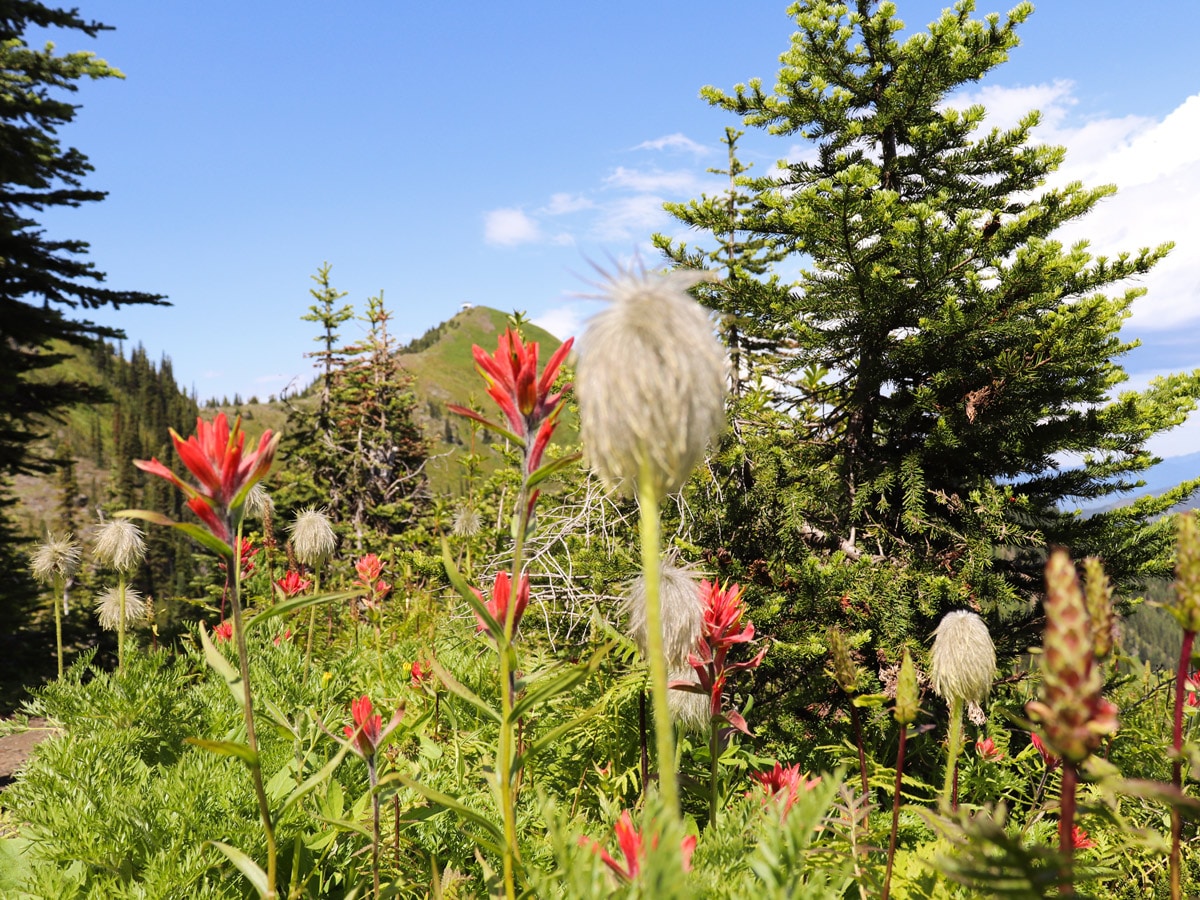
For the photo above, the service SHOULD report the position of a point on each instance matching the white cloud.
(509, 227)
(675, 141)
(563, 203)
(677, 181)
(564, 321)
(1155, 165)
(631, 218)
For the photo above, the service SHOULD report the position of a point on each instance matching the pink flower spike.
(1080, 839)
(224, 631)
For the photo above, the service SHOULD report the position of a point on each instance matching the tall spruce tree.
(41, 277)
(973, 388)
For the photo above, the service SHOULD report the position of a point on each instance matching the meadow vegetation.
(768, 587)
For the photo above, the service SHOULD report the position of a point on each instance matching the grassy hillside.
(444, 373)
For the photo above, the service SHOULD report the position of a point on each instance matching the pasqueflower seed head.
(1098, 592)
(259, 504)
(963, 663)
(55, 557)
(650, 383)
(690, 711)
(120, 545)
(313, 539)
(681, 609)
(1073, 715)
(108, 607)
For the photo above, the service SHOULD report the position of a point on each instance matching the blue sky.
(485, 153)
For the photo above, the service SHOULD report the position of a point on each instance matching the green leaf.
(226, 748)
(548, 688)
(869, 700)
(533, 748)
(460, 584)
(550, 468)
(314, 781)
(446, 802)
(222, 666)
(454, 686)
(296, 603)
(486, 423)
(246, 866)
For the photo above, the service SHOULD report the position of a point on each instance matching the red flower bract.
(215, 456)
(224, 631)
(368, 568)
(632, 849)
(364, 733)
(292, 584)
(498, 605)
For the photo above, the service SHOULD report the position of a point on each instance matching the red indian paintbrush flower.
(987, 750)
(216, 456)
(524, 397)
(721, 630)
(292, 584)
(498, 605)
(785, 782)
(366, 734)
(368, 568)
(633, 849)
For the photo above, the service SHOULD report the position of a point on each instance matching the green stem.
(373, 779)
(508, 661)
(887, 878)
(61, 585)
(714, 737)
(121, 623)
(955, 747)
(312, 621)
(264, 807)
(664, 736)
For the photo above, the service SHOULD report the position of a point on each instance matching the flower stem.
(1181, 674)
(264, 808)
(312, 621)
(664, 737)
(61, 585)
(121, 623)
(504, 644)
(714, 738)
(887, 878)
(952, 751)
(1066, 828)
(856, 719)
(373, 780)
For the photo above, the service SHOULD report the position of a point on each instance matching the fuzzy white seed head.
(682, 612)
(108, 607)
(313, 540)
(466, 522)
(259, 504)
(55, 557)
(689, 710)
(650, 382)
(119, 545)
(963, 663)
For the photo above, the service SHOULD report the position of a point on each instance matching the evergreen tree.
(744, 259)
(41, 276)
(359, 453)
(972, 360)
